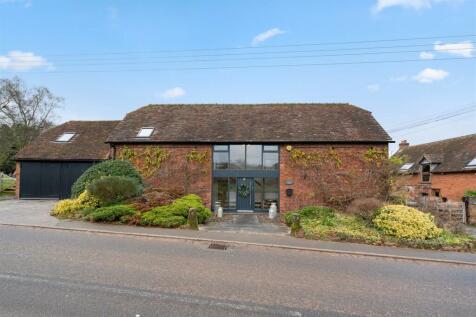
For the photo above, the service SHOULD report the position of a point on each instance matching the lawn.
(6, 182)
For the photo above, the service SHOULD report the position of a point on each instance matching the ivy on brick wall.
(309, 159)
(197, 156)
(148, 161)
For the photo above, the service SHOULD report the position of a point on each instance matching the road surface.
(57, 273)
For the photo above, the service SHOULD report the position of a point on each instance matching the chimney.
(403, 144)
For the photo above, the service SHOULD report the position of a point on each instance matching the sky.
(409, 62)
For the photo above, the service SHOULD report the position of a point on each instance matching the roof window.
(405, 167)
(145, 132)
(471, 164)
(65, 137)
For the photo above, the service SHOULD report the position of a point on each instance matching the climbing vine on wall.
(148, 161)
(196, 156)
(309, 159)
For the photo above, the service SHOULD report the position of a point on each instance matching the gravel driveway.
(30, 212)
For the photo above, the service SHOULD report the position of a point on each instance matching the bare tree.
(24, 114)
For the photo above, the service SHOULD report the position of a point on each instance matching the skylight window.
(65, 137)
(145, 132)
(472, 164)
(405, 167)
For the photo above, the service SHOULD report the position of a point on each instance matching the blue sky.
(109, 57)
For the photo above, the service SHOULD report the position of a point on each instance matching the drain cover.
(217, 246)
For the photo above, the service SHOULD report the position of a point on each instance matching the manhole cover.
(217, 246)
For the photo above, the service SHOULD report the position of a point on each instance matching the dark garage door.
(49, 179)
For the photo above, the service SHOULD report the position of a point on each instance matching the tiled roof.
(211, 123)
(451, 155)
(88, 143)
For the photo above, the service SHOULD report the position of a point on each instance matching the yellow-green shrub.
(406, 223)
(68, 207)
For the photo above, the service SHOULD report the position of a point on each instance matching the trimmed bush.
(69, 207)
(178, 208)
(111, 213)
(406, 223)
(288, 218)
(114, 189)
(364, 207)
(106, 168)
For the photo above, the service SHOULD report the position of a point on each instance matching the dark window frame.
(263, 151)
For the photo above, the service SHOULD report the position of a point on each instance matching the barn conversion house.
(243, 156)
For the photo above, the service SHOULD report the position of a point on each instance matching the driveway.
(28, 212)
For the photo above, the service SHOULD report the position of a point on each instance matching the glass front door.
(244, 189)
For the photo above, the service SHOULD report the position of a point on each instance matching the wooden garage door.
(49, 179)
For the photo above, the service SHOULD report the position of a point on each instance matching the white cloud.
(464, 49)
(407, 4)
(427, 55)
(266, 35)
(429, 75)
(18, 60)
(373, 87)
(173, 93)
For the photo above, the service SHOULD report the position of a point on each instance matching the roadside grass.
(352, 228)
(6, 183)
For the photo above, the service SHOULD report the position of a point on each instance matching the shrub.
(165, 216)
(470, 193)
(106, 168)
(364, 207)
(111, 213)
(114, 189)
(288, 217)
(154, 197)
(69, 207)
(325, 215)
(405, 222)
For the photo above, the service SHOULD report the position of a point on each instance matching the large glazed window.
(246, 157)
(266, 191)
(224, 191)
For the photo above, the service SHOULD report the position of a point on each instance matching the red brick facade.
(335, 182)
(450, 185)
(176, 171)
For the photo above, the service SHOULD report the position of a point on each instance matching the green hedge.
(111, 213)
(106, 168)
(175, 214)
(114, 189)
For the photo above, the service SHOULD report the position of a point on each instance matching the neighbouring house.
(48, 167)
(444, 169)
(247, 157)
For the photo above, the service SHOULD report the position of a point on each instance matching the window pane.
(237, 156)
(253, 157)
(220, 191)
(270, 161)
(220, 160)
(272, 148)
(232, 192)
(259, 187)
(220, 147)
(271, 190)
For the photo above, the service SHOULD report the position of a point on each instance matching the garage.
(49, 179)
(49, 166)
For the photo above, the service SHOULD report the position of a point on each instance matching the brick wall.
(176, 172)
(349, 179)
(451, 185)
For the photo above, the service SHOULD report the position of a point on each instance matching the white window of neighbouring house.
(65, 137)
(472, 164)
(405, 167)
(145, 132)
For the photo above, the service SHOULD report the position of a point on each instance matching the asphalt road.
(54, 273)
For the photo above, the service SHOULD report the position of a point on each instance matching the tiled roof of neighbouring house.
(450, 155)
(251, 123)
(87, 143)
